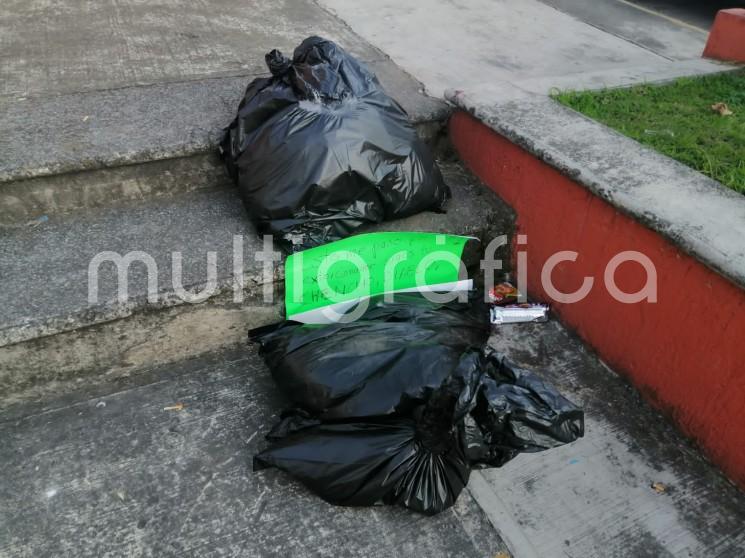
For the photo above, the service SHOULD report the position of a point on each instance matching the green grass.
(676, 119)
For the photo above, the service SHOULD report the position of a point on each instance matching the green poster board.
(342, 273)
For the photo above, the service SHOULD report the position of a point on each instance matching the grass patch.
(676, 119)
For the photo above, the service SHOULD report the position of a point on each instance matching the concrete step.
(105, 469)
(111, 163)
(50, 329)
(116, 105)
(96, 148)
(108, 132)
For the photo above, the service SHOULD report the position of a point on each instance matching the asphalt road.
(611, 15)
(694, 12)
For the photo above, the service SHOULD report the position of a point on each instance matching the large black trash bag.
(417, 461)
(380, 364)
(319, 149)
(483, 415)
(399, 406)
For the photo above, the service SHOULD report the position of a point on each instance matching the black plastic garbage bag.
(319, 149)
(380, 364)
(399, 406)
(417, 462)
(483, 415)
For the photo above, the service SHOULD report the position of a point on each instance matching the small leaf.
(722, 109)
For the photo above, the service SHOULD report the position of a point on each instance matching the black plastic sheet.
(508, 410)
(319, 149)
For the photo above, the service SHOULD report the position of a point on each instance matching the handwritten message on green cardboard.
(367, 265)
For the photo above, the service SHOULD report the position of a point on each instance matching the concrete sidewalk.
(83, 46)
(48, 48)
(503, 47)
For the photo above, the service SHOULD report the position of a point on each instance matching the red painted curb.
(686, 352)
(727, 36)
